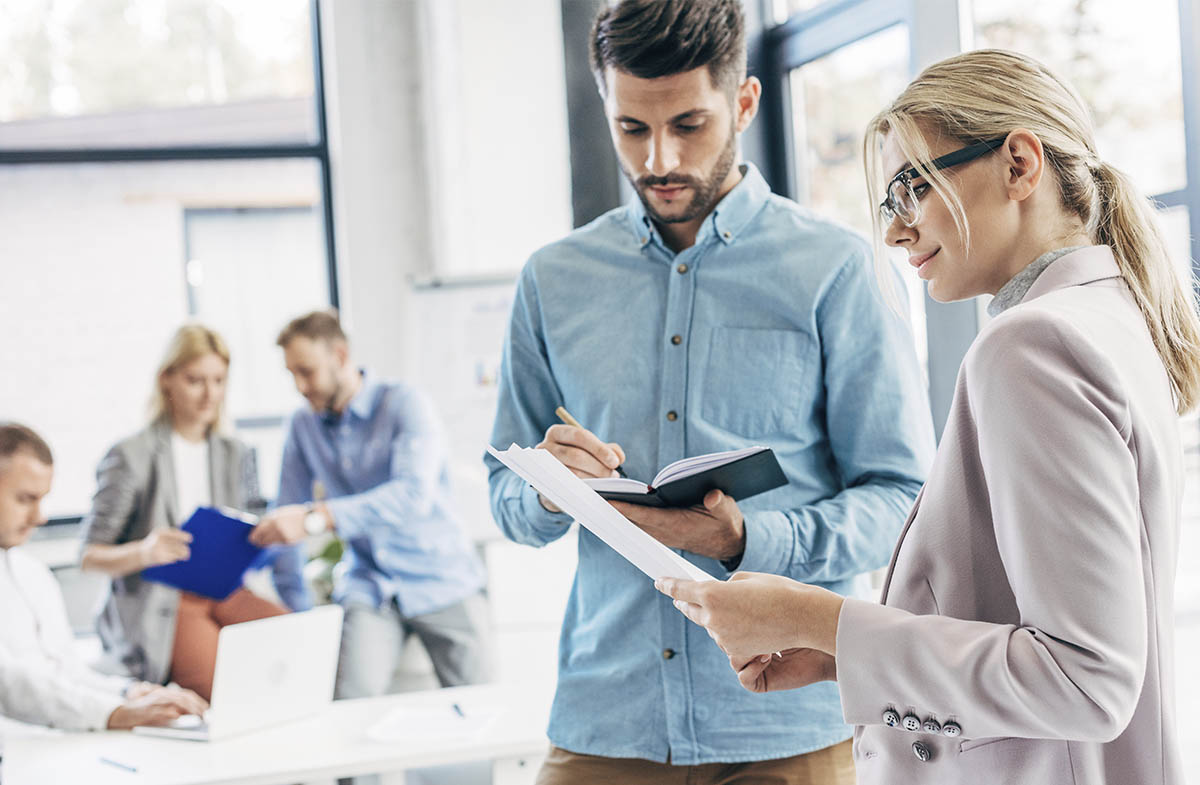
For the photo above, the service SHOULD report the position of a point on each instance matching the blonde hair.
(189, 342)
(988, 93)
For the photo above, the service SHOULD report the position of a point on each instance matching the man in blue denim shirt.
(376, 453)
(705, 315)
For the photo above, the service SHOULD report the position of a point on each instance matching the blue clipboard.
(221, 552)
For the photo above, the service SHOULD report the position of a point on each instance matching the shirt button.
(672, 416)
(727, 235)
(922, 751)
(668, 654)
(911, 722)
(952, 729)
(681, 269)
(891, 718)
(932, 726)
(676, 339)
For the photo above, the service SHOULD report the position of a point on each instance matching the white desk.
(331, 744)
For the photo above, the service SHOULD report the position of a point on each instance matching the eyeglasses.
(902, 198)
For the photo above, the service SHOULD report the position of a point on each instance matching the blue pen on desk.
(118, 764)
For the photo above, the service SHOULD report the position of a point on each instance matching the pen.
(124, 766)
(566, 417)
(458, 710)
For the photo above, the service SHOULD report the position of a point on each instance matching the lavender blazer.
(1025, 634)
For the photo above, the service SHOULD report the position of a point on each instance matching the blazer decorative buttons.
(922, 751)
(912, 722)
(951, 729)
(891, 718)
(931, 726)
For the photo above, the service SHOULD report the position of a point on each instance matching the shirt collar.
(727, 219)
(1015, 290)
(1071, 267)
(361, 405)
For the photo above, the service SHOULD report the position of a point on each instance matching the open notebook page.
(556, 482)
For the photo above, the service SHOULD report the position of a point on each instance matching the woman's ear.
(1025, 162)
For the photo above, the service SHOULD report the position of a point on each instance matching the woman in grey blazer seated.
(149, 484)
(1025, 631)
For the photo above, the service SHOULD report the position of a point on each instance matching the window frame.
(317, 150)
(938, 28)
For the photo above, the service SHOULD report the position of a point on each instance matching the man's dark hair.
(316, 326)
(653, 38)
(15, 438)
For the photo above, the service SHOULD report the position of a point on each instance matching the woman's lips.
(919, 261)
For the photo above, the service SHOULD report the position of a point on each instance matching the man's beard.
(704, 192)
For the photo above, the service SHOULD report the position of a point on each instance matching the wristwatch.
(314, 521)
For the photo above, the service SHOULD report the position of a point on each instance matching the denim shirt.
(383, 466)
(768, 330)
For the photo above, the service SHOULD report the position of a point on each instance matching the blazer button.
(952, 729)
(668, 654)
(891, 718)
(912, 722)
(922, 751)
(932, 726)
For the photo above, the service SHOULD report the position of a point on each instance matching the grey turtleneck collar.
(1015, 290)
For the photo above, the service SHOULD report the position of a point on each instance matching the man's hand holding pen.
(582, 452)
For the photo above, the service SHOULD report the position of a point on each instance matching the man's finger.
(580, 461)
(586, 441)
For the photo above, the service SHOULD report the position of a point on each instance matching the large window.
(159, 162)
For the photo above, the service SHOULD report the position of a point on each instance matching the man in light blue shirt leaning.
(707, 314)
(368, 460)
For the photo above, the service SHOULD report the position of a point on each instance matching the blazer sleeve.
(120, 481)
(1057, 455)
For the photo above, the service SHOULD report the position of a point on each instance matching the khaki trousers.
(830, 766)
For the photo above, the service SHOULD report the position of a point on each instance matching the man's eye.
(633, 130)
(687, 129)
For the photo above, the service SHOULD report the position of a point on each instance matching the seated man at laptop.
(41, 681)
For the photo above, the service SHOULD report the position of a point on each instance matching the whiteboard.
(455, 332)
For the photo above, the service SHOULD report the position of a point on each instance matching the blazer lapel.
(164, 466)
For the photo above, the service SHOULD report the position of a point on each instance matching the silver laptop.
(268, 672)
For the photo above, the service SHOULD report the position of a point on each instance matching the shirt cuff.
(541, 520)
(345, 522)
(769, 542)
(96, 707)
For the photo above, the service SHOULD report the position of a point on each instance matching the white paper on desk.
(572, 495)
(427, 722)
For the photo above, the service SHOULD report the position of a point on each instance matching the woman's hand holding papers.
(582, 452)
(753, 614)
(716, 530)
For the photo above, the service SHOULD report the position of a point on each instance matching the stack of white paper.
(568, 492)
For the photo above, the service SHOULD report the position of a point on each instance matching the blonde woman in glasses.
(1025, 630)
(148, 486)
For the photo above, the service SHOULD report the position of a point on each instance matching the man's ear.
(1026, 162)
(746, 102)
(341, 351)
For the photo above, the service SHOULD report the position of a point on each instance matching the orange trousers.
(194, 656)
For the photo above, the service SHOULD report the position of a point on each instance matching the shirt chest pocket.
(759, 382)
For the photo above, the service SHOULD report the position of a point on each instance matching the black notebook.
(738, 473)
